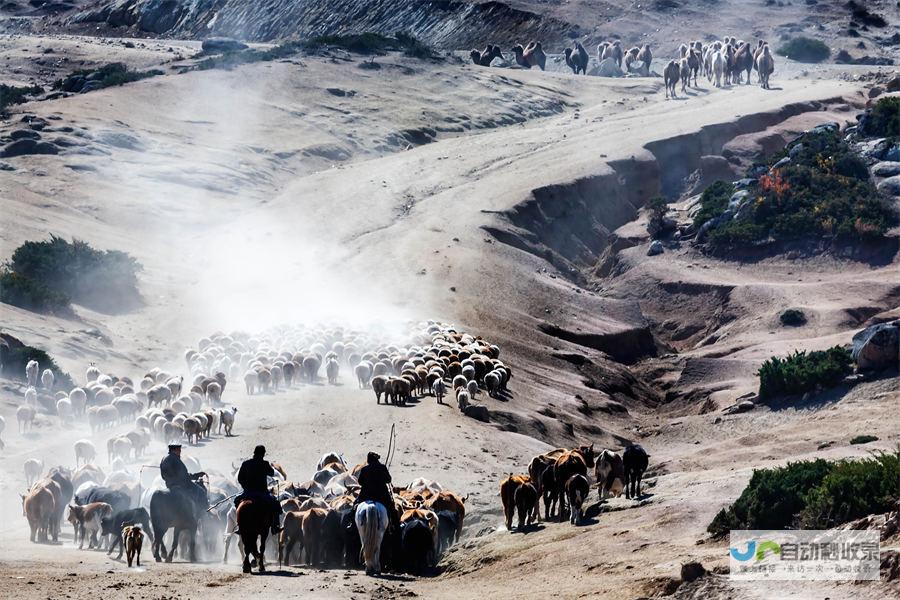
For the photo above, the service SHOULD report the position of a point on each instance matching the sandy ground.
(302, 191)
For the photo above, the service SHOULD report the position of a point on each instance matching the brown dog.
(132, 538)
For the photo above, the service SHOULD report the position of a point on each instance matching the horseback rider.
(253, 477)
(375, 485)
(177, 479)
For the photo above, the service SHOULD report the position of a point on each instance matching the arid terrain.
(373, 191)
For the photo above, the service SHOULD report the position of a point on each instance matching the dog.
(132, 539)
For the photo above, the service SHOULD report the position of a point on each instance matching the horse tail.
(370, 524)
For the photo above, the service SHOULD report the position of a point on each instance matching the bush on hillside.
(713, 201)
(374, 43)
(825, 190)
(792, 317)
(863, 439)
(813, 495)
(108, 75)
(11, 94)
(14, 358)
(105, 280)
(803, 372)
(772, 499)
(853, 489)
(804, 49)
(884, 118)
(26, 293)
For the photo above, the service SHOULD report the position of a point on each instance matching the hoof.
(158, 559)
(246, 568)
(262, 568)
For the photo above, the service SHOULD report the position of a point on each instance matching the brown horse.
(253, 521)
(572, 462)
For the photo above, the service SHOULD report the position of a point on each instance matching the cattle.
(508, 488)
(572, 462)
(311, 527)
(447, 527)
(88, 518)
(635, 460)
(609, 473)
(115, 525)
(38, 507)
(132, 537)
(419, 538)
(380, 386)
(538, 465)
(448, 501)
(577, 490)
(526, 498)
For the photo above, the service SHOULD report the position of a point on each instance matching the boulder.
(744, 183)
(890, 186)
(25, 134)
(609, 68)
(5, 166)
(638, 69)
(656, 247)
(692, 571)
(795, 150)
(886, 169)
(159, 16)
(23, 147)
(220, 44)
(893, 153)
(877, 347)
(781, 163)
(894, 84)
(478, 412)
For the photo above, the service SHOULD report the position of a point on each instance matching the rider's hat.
(259, 450)
(174, 446)
(372, 457)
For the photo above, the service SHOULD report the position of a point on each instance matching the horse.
(372, 522)
(172, 509)
(254, 518)
(635, 460)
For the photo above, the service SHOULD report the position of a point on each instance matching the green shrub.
(813, 495)
(884, 119)
(414, 47)
(804, 49)
(825, 191)
(792, 317)
(374, 43)
(18, 290)
(11, 94)
(863, 439)
(772, 499)
(102, 280)
(229, 60)
(108, 75)
(713, 201)
(803, 372)
(852, 490)
(15, 359)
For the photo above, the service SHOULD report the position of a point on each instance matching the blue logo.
(752, 550)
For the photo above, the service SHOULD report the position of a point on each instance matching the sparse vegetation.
(229, 60)
(853, 489)
(103, 280)
(792, 317)
(11, 94)
(824, 191)
(804, 49)
(26, 293)
(803, 372)
(15, 357)
(374, 43)
(863, 439)
(813, 494)
(108, 75)
(713, 201)
(772, 499)
(656, 224)
(884, 118)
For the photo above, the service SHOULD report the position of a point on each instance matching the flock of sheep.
(722, 62)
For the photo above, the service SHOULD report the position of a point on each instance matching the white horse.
(372, 522)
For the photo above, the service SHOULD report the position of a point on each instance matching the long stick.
(222, 500)
(391, 446)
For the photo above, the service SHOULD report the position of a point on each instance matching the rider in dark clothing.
(177, 478)
(253, 477)
(375, 485)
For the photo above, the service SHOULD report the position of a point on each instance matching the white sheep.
(47, 379)
(226, 420)
(31, 373)
(439, 388)
(363, 371)
(332, 368)
(251, 380)
(78, 399)
(214, 393)
(25, 416)
(84, 451)
(472, 388)
(91, 374)
(33, 469)
(31, 396)
(64, 410)
(492, 382)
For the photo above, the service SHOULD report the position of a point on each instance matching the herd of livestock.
(723, 62)
(117, 506)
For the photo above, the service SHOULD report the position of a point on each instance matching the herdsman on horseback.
(375, 485)
(253, 477)
(177, 479)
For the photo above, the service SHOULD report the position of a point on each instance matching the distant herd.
(723, 62)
